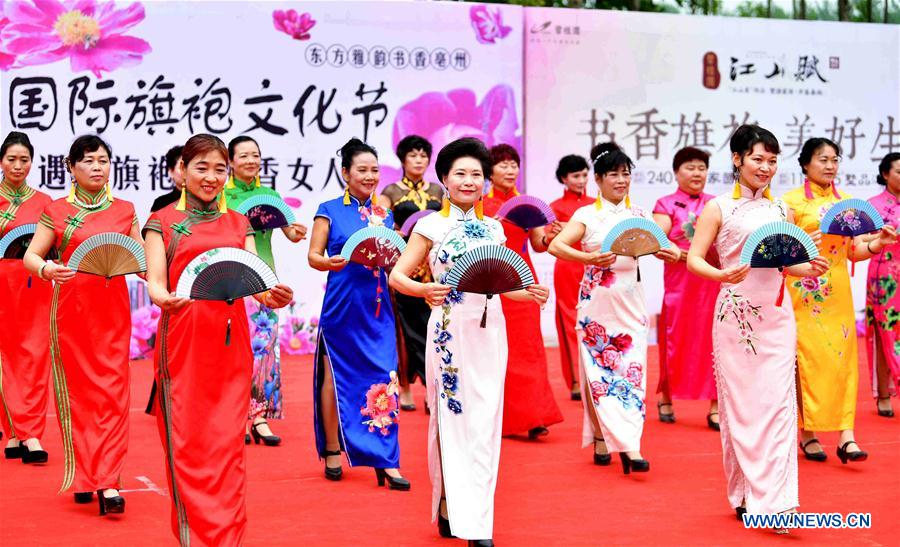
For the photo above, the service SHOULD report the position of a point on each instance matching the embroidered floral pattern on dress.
(733, 304)
(608, 353)
(813, 291)
(594, 277)
(449, 373)
(374, 214)
(381, 406)
(689, 226)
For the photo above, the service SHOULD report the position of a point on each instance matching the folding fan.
(489, 270)
(777, 245)
(16, 241)
(226, 274)
(266, 212)
(108, 255)
(374, 247)
(410, 222)
(635, 237)
(526, 212)
(851, 217)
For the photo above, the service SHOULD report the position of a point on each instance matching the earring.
(182, 202)
(230, 183)
(479, 209)
(258, 182)
(71, 198)
(223, 203)
(736, 193)
(627, 201)
(109, 196)
(445, 207)
(599, 203)
(347, 196)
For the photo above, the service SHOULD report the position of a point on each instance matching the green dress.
(265, 387)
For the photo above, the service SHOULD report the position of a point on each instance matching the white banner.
(655, 83)
(299, 77)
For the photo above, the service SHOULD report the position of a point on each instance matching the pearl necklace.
(89, 206)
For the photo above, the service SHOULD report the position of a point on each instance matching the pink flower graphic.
(622, 342)
(634, 374)
(595, 334)
(144, 322)
(444, 117)
(488, 24)
(6, 60)
(293, 24)
(610, 358)
(88, 33)
(598, 390)
(810, 284)
(381, 405)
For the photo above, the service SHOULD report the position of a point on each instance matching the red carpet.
(549, 492)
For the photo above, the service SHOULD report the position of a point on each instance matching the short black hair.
(412, 142)
(467, 147)
(16, 138)
(885, 166)
(570, 164)
(811, 146)
(747, 136)
(85, 144)
(172, 156)
(238, 140)
(353, 148)
(608, 157)
(689, 153)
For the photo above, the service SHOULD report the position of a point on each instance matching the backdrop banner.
(655, 83)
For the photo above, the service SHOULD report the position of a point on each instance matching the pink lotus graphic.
(488, 24)
(444, 117)
(6, 60)
(293, 24)
(88, 33)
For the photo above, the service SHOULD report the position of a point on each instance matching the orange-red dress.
(24, 317)
(567, 277)
(527, 398)
(90, 332)
(202, 377)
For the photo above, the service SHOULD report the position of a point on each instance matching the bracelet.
(868, 248)
(41, 271)
(544, 241)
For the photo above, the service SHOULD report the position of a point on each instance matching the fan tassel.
(228, 334)
(378, 293)
(852, 262)
(780, 299)
(638, 272)
(484, 313)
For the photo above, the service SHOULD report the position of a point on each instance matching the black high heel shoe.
(113, 505)
(395, 483)
(629, 465)
(268, 440)
(84, 497)
(246, 438)
(819, 456)
(444, 523)
(739, 512)
(601, 459)
(710, 423)
(539, 431)
(333, 473)
(575, 396)
(855, 456)
(481, 543)
(889, 413)
(33, 456)
(13, 452)
(665, 418)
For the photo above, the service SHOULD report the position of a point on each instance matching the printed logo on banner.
(763, 73)
(397, 57)
(548, 32)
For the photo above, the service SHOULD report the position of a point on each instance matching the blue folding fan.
(777, 245)
(635, 237)
(266, 212)
(16, 241)
(374, 247)
(851, 217)
(527, 212)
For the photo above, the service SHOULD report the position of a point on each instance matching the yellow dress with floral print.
(827, 357)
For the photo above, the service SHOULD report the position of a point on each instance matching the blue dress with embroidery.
(361, 345)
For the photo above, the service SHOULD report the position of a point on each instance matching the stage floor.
(549, 492)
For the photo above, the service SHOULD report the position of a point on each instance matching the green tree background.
(858, 11)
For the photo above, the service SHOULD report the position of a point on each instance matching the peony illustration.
(444, 117)
(6, 60)
(488, 24)
(91, 35)
(144, 323)
(293, 24)
(298, 336)
(381, 405)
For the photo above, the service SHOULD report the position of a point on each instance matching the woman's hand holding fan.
(669, 255)
(295, 232)
(887, 236)
(814, 268)
(734, 274)
(57, 273)
(278, 296)
(816, 236)
(172, 303)
(435, 294)
(337, 263)
(538, 293)
(601, 260)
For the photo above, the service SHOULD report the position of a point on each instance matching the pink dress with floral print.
(612, 335)
(755, 348)
(883, 298)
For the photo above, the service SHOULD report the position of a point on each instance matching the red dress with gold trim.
(527, 398)
(90, 333)
(202, 375)
(567, 277)
(24, 317)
